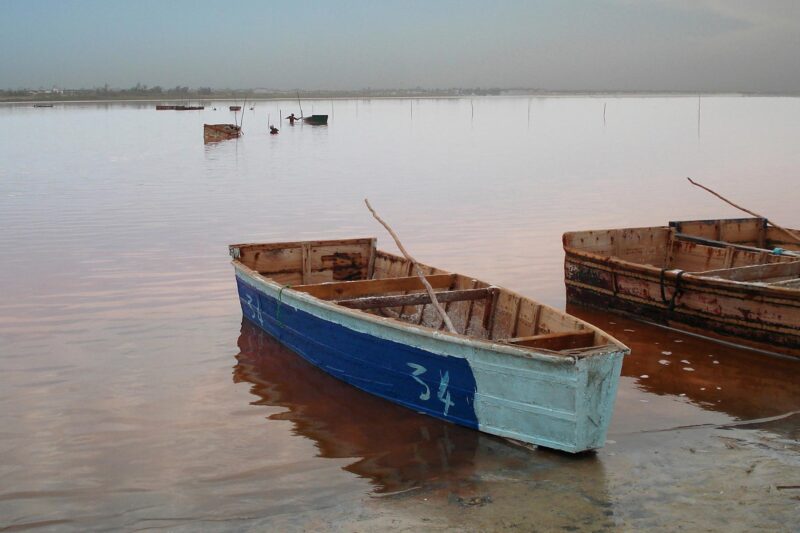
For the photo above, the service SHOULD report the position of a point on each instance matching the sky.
(645, 45)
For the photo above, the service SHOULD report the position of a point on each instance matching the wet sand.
(711, 471)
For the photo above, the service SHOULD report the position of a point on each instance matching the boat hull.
(558, 402)
(220, 132)
(759, 317)
(316, 120)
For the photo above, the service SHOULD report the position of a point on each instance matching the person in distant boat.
(273, 130)
(291, 118)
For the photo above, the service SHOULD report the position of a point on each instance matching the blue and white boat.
(515, 368)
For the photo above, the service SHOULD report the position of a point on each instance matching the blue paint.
(436, 385)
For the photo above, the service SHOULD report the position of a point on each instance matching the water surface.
(133, 396)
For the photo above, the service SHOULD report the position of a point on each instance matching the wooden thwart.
(728, 245)
(417, 269)
(420, 298)
(556, 341)
(354, 289)
(765, 272)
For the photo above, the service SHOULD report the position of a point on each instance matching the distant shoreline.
(38, 99)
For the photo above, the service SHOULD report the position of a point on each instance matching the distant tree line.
(144, 92)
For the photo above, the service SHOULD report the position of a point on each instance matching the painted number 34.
(444, 381)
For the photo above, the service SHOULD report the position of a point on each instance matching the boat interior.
(744, 250)
(353, 273)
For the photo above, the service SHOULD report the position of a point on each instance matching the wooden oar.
(417, 269)
(790, 233)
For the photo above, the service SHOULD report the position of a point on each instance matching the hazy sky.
(692, 45)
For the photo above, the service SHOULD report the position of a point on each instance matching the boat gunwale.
(686, 276)
(566, 357)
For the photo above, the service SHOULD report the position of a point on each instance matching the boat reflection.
(397, 449)
(740, 383)
(393, 446)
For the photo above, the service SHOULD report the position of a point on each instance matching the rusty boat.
(735, 280)
(513, 367)
(221, 132)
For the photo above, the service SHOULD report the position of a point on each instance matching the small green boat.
(316, 120)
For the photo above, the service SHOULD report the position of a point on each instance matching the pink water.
(133, 396)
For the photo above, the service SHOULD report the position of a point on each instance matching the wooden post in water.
(299, 104)
(418, 270)
(529, 113)
(698, 116)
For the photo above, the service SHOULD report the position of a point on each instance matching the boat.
(735, 280)
(221, 132)
(316, 120)
(235, 108)
(179, 107)
(514, 367)
(42, 105)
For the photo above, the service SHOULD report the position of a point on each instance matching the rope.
(661, 283)
(280, 304)
(675, 292)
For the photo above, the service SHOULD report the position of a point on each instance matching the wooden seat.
(420, 298)
(765, 273)
(354, 289)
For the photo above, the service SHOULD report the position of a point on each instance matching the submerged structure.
(220, 132)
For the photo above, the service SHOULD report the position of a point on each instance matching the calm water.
(133, 396)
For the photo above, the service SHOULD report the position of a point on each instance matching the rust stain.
(346, 266)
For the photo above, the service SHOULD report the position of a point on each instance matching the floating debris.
(644, 376)
(685, 362)
(716, 362)
(663, 361)
(470, 502)
(666, 353)
(688, 369)
(630, 330)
